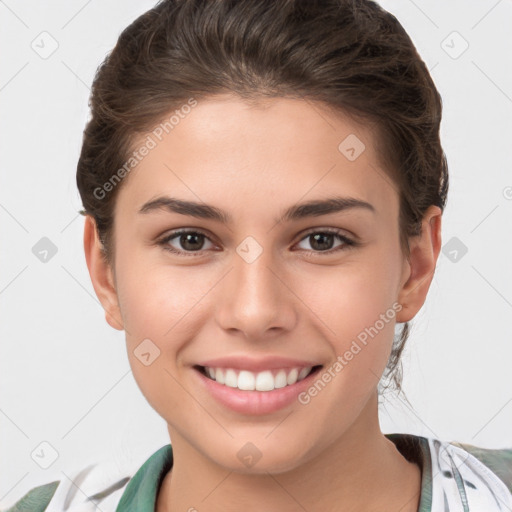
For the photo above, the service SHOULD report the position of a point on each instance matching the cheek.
(352, 296)
(163, 310)
(348, 317)
(355, 309)
(157, 301)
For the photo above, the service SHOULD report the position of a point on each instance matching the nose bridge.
(254, 299)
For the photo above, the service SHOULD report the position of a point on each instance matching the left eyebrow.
(312, 208)
(316, 208)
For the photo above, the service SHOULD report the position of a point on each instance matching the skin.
(253, 162)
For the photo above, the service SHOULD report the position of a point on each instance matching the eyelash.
(347, 242)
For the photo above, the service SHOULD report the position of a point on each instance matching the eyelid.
(348, 241)
(164, 239)
(332, 231)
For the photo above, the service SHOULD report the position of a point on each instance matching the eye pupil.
(319, 241)
(187, 241)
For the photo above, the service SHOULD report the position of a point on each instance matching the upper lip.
(256, 365)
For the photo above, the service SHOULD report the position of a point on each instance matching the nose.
(255, 299)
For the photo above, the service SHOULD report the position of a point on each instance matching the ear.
(101, 274)
(420, 266)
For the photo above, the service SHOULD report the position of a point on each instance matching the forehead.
(273, 150)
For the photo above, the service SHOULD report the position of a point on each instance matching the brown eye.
(323, 241)
(191, 241)
(185, 242)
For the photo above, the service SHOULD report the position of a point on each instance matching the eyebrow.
(312, 208)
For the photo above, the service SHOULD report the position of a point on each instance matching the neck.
(362, 470)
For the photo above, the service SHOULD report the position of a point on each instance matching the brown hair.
(352, 55)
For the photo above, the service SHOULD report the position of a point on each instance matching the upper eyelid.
(332, 231)
(175, 233)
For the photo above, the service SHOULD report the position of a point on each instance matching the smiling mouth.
(267, 380)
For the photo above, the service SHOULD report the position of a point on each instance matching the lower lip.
(255, 402)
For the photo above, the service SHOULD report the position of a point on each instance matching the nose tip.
(254, 299)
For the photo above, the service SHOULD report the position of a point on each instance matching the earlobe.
(101, 274)
(424, 251)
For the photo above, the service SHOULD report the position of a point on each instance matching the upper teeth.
(261, 381)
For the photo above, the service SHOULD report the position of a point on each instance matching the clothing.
(455, 478)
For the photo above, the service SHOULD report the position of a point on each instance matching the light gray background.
(65, 377)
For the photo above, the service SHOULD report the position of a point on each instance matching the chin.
(249, 460)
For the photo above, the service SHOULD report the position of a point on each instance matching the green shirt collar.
(142, 490)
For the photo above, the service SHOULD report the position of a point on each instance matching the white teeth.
(303, 373)
(280, 379)
(246, 380)
(231, 379)
(261, 381)
(292, 377)
(265, 381)
(219, 376)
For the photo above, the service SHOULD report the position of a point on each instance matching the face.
(258, 284)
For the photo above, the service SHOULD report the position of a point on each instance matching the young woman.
(263, 185)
